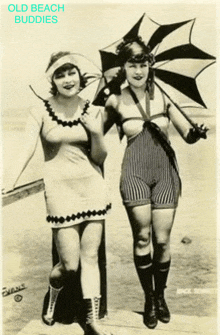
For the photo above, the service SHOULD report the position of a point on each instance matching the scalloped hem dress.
(75, 190)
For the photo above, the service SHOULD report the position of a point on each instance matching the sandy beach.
(192, 283)
(86, 28)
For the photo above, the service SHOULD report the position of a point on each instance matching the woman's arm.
(110, 113)
(30, 142)
(182, 125)
(93, 122)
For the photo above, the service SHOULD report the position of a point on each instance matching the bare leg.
(90, 242)
(68, 248)
(140, 220)
(162, 223)
(90, 275)
(67, 243)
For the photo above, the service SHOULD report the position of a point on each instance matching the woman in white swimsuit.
(73, 143)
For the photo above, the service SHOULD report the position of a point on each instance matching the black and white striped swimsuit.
(149, 170)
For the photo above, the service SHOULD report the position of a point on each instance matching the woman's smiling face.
(67, 82)
(137, 73)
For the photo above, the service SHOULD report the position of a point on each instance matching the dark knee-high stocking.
(143, 266)
(161, 271)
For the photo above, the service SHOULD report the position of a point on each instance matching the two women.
(150, 184)
(74, 149)
(72, 137)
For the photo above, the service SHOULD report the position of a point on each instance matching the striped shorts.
(148, 175)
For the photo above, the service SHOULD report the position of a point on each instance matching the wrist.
(96, 134)
(192, 137)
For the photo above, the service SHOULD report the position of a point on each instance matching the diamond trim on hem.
(73, 217)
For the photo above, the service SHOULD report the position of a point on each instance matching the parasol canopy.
(178, 62)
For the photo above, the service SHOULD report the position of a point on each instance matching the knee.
(69, 267)
(162, 243)
(142, 240)
(62, 272)
(89, 256)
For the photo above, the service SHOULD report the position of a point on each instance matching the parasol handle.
(201, 131)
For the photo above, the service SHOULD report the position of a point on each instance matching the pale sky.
(86, 28)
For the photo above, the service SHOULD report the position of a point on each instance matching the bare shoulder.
(113, 101)
(37, 111)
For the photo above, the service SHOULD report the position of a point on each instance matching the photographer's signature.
(11, 290)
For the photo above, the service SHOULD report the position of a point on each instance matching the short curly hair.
(68, 66)
(126, 51)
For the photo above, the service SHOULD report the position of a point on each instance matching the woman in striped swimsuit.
(150, 184)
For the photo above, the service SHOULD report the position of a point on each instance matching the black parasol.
(178, 63)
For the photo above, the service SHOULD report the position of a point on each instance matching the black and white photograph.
(109, 169)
